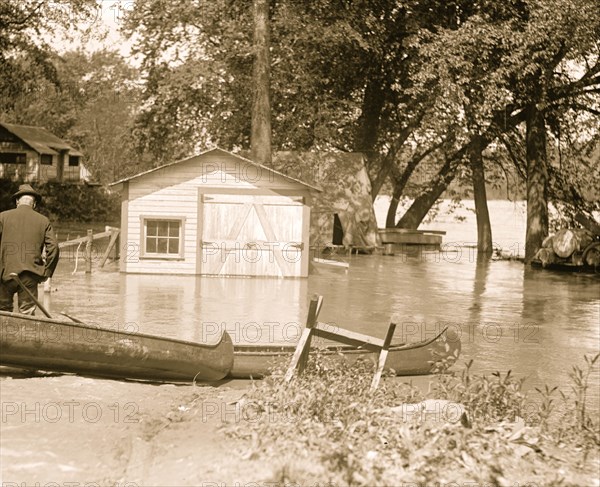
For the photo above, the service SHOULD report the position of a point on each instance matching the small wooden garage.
(215, 214)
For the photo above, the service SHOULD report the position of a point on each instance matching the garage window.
(162, 238)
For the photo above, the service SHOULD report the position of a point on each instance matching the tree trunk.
(387, 163)
(423, 203)
(537, 182)
(484, 229)
(260, 140)
(367, 131)
(399, 185)
(390, 219)
(588, 223)
(401, 180)
(418, 210)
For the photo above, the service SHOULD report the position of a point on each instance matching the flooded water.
(508, 317)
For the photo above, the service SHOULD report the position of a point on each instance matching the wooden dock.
(399, 239)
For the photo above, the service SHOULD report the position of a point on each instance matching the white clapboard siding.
(178, 201)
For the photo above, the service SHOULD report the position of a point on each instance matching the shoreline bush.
(327, 428)
(68, 202)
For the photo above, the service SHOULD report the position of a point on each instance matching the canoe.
(418, 358)
(34, 342)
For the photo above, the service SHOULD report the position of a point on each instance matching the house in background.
(34, 154)
(215, 214)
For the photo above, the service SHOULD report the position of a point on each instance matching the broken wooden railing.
(112, 233)
(380, 346)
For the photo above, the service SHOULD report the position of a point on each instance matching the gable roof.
(217, 150)
(39, 139)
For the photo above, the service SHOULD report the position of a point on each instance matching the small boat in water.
(37, 343)
(418, 358)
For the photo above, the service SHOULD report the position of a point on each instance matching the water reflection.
(482, 269)
(185, 307)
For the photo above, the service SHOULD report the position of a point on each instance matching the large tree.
(555, 69)
(261, 107)
(508, 64)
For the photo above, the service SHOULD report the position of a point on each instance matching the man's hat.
(27, 189)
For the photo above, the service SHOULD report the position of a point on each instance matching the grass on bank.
(327, 427)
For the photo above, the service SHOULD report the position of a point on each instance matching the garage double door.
(251, 235)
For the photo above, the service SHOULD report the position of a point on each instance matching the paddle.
(72, 318)
(15, 277)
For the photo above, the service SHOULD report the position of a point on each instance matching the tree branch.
(579, 106)
(583, 82)
(27, 17)
(515, 159)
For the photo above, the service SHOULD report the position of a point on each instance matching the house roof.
(216, 150)
(39, 139)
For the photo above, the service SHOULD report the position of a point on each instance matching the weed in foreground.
(328, 426)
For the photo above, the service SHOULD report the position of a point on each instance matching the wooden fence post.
(88, 252)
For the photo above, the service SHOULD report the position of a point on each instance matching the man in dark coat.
(24, 234)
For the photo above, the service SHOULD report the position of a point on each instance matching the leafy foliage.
(66, 202)
(410, 84)
(25, 51)
(327, 426)
(91, 103)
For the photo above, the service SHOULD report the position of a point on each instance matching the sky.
(102, 30)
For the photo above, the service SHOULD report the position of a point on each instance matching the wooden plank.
(256, 191)
(319, 305)
(348, 337)
(88, 252)
(113, 240)
(412, 238)
(393, 231)
(300, 357)
(232, 245)
(311, 320)
(199, 231)
(313, 327)
(244, 197)
(305, 235)
(85, 239)
(383, 354)
(302, 345)
(328, 262)
(124, 227)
